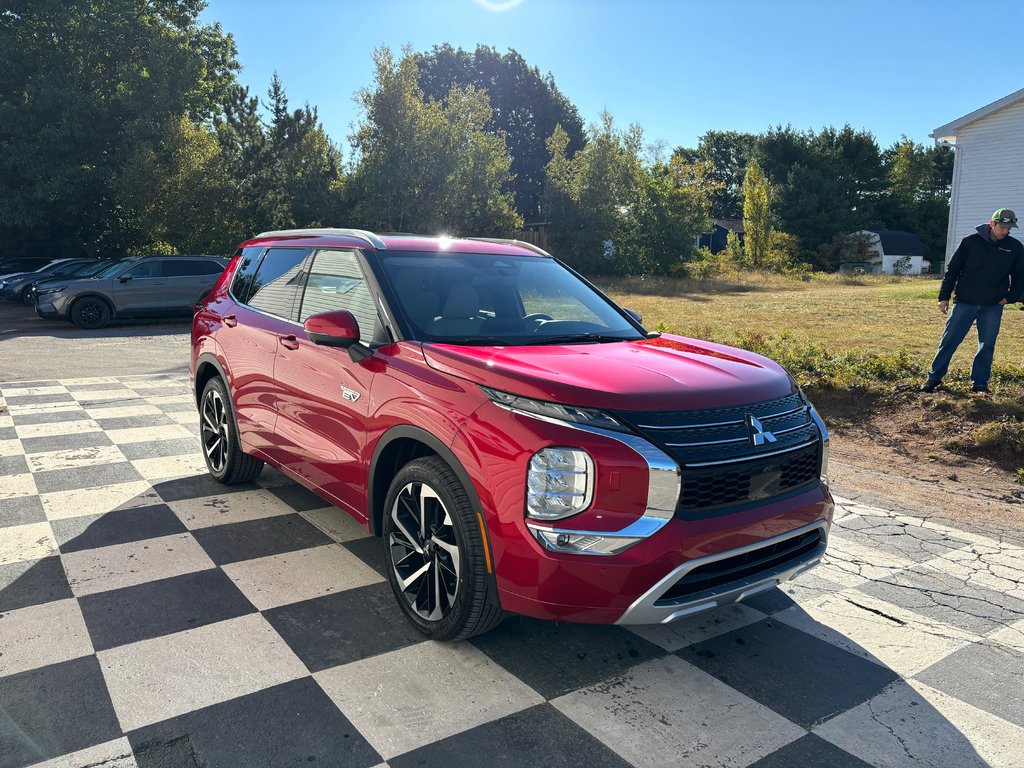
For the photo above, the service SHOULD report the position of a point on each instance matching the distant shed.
(893, 251)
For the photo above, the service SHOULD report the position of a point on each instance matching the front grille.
(746, 566)
(722, 467)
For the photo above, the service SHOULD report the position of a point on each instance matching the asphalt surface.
(31, 347)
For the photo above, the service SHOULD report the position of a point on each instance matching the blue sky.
(677, 68)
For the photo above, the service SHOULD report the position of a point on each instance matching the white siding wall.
(989, 172)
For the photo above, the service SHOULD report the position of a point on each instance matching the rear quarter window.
(277, 282)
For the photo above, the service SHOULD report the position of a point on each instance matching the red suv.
(519, 442)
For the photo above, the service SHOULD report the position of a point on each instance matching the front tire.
(90, 313)
(434, 553)
(218, 434)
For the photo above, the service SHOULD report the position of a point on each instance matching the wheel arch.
(396, 448)
(92, 295)
(208, 367)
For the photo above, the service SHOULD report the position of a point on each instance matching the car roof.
(358, 238)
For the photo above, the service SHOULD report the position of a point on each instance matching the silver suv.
(147, 286)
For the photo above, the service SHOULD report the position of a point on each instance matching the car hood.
(666, 373)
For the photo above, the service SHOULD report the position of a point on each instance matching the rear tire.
(218, 433)
(90, 313)
(434, 553)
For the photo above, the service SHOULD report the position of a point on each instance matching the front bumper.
(47, 308)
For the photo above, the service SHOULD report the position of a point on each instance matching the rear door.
(187, 280)
(324, 397)
(265, 291)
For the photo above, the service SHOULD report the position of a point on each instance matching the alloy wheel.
(215, 430)
(425, 555)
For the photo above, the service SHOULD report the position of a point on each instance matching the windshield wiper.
(577, 338)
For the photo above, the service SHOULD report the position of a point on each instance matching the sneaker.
(980, 390)
(930, 386)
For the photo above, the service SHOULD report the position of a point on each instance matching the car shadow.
(800, 691)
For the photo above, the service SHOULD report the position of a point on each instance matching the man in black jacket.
(985, 274)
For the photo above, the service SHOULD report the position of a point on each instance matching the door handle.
(288, 342)
(230, 321)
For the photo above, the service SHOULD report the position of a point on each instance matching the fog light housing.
(559, 483)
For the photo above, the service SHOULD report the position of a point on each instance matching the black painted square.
(179, 446)
(291, 724)
(23, 400)
(21, 510)
(13, 465)
(68, 442)
(86, 477)
(134, 422)
(32, 582)
(804, 679)
(336, 629)
(49, 417)
(54, 710)
(298, 498)
(369, 549)
(196, 487)
(162, 607)
(259, 538)
(538, 736)
(118, 527)
(810, 751)
(554, 658)
(978, 674)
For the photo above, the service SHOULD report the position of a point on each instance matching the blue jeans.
(961, 318)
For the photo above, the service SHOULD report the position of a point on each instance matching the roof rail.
(522, 243)
(361, 234)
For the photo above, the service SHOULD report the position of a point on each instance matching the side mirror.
(634, 314)
(337, 329)
(124, 278)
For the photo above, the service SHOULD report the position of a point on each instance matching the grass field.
(848, 327)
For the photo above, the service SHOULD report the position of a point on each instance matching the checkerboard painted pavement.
(151, 617)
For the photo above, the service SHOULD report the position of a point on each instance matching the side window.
(336, 281)
(189, 268)
(243, 274)
(277, 281)
(146, 269)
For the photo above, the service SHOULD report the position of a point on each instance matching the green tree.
(83, 85)
(757, 215)
(426, 165)
(526, 107)
(727, 152)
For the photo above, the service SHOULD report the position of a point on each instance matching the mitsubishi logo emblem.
(758, 434)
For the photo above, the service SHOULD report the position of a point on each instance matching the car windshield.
(112, 269)
(487, 299)
(84, 269)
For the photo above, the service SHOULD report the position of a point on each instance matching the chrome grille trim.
(765, 455)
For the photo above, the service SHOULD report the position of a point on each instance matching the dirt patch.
(920, 453)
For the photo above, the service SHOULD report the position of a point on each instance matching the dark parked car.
(10, 270)
(147, 286)
(518, 441)
(78, 273)
(15, 287)
(14, 264)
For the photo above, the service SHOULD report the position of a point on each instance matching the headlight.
(44, 291)
(559, 483)
(591, 417)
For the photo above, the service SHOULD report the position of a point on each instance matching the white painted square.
(277, 580)
(237, 507)
(40, 635)
(59, 505)
(666, 713)
(73, 458)
(169, 467)
(137, 408)
(698, 628)
(337, 524)
(26, 542)
(902, 640)
(910, 723)
(125, 565)
(424, 693)
(57, 428)
(157, 679)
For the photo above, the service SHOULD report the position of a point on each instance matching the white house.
(893, 251)
(988, 165)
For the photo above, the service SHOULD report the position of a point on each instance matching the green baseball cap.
(1005, 216)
